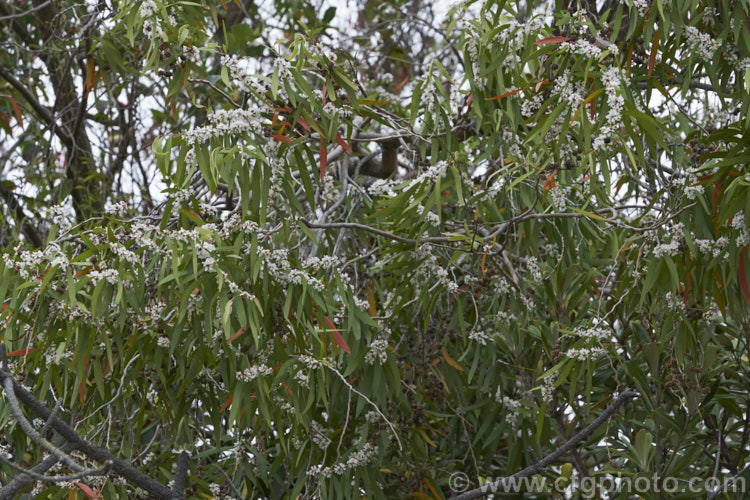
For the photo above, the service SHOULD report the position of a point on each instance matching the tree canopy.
(296, 249)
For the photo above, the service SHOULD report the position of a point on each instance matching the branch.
(99, 471)
(120, 467)
(582, 435)
(27, 228)
(19, 482)
(386, 234)
(180, 475)
(43, 113)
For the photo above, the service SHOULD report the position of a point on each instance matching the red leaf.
(282, 138)
(552, 39)
(16, 110)
(283, 110)
(303, 124)
(323, 159)
(88, 84)
(504, 95)
(17, 338)
(400, 85)
(341, 142)
(337, 336)
(5, 123)
(237, 334)
(743, 279)
(87, 490)
(652, 54)
(22, 352)
(717, 190)
(226, 403)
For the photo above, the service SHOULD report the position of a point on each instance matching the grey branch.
(582, 435)
(122, 468)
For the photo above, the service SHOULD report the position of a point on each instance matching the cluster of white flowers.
(612, 80)
(509, 404)
(712, 247)
(514, 38)
(740, 65)
(224, 122)
(215, 490)
(111, 275)
(430, 217)
(431, 267)
(673, 247)
(359, 458)
(582, 47)
(152, 396)
(60, 219)
(382, 187)
(559, 195)
(479, 336)
(529, 107)
(599, 333)
(119, 209)
(310, 362)
(236, 289)
(251, 373)
(319, 435)
(429, 96)
(54, 358)
(674, 303)
(738, 224)
(692, 186)
(163, 342)
(584, 353)
(641, 5)
(277, 264)
(432, 173)
(571, 92)
(501, 286)
(378, 352)
(701, 43)
(528, 302)
(532, 267)
(472, 47)
(547, 389)
(493, 190)
(147, 10)
(191, 53)
(242, 78)
(124, 253)
(153, 311)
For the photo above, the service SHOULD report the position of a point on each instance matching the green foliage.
(568, 221)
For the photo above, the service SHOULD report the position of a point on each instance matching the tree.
(503, 241)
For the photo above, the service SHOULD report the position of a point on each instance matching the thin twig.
(583, 434)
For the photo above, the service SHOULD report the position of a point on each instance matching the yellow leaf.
(371, 301)
(590, 215)
(426, 438)
(371, 102)
(584, 103)
(450, 361)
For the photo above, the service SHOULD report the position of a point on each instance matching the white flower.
(147, 8)
(163, 342)
(479, 336)
(251, 373)
(378, 352)
(701, 43)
